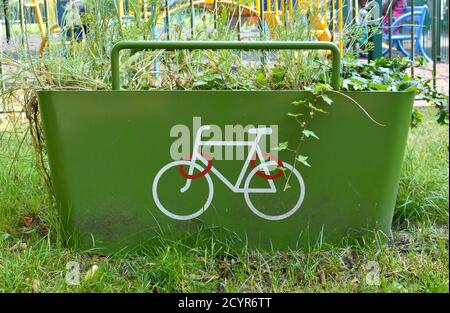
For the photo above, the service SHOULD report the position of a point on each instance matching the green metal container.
(118, 186)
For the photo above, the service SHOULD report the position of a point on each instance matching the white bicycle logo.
(261, 170)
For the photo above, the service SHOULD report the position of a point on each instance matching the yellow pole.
(269, 6)
(51, 11)
(145, 4)
(37, 11)
(52, 16)
(309, 5)
(138, 11)
(341, 26)
(257, 6)
(121, 9)
(325, 11)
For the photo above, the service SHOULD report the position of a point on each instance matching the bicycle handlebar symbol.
(262, 170)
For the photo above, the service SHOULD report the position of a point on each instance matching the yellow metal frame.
(37, 11)
(51, 9)
(273, 17)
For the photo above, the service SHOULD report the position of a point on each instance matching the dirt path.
(442, 78)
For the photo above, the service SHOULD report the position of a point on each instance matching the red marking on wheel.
(198, 175)
(264, 175)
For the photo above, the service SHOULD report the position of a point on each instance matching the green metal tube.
(434, 41)
(227, 45)
(7, 23)
(215, 14)
(167, 17)
(391, 3)
(261, 18)
(192, 19)
(22, 22)
(239, 23)
(413, 29)
(376, 37)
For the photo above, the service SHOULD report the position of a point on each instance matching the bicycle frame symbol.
(261, 170)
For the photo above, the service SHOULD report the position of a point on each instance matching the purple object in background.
(398, 8)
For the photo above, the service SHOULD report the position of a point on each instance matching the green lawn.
(33, 258)
(32, 28)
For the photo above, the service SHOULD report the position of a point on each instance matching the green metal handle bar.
(226, 45)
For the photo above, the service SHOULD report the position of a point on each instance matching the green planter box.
(118, 183)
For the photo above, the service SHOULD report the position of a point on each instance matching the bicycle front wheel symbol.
(175, 166)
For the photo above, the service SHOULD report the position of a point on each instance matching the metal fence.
(442, 42)
(438, 11)
(434, 39)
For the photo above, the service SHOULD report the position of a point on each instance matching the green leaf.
(411, 84)
(286, 187)
(281, 146)
(309, 133)
(303, 159)
(278, 74)
(260, 77)
(345, 84)
(327, 99)
(416, 118)
(318, 109)
(299, 102)
(321, 88)
(199, 83)
(412, 88)
(294, 115)
(379, 86)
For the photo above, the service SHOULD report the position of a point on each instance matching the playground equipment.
(51, 19)
(402, 28)
(35, 5)
(265, 13)
(327, 23)
(117, 186)
(274, 13)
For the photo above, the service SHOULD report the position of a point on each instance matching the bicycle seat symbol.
(262, 170)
